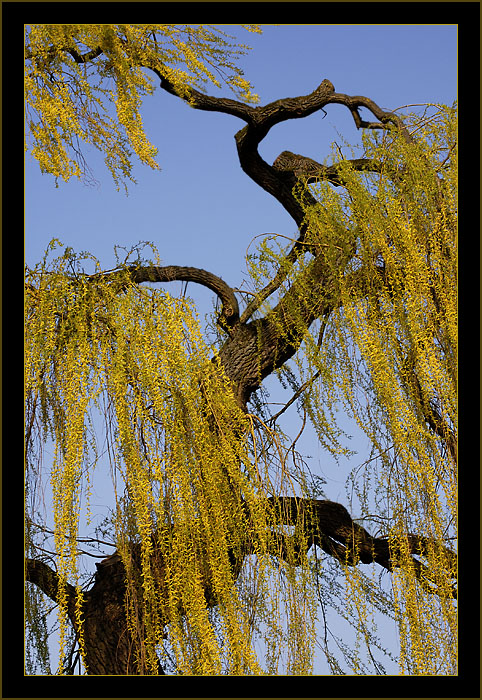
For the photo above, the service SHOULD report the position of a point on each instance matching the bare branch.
(199, 100)
(384, 118)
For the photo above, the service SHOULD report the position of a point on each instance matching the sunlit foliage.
(191, 472)
(76, 73)
(387, 354)
(185, 473)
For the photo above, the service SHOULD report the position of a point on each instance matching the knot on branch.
(300, 166)
(325, 87)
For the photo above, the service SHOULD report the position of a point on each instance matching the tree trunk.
(108, 643)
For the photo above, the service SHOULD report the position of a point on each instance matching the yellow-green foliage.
(70, 103)
(184, 457)
(182, 466)
(402, 349)
(389, 357)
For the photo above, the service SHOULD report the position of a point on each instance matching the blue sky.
(201, 209)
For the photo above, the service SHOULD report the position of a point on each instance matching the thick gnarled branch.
(280, 178)
(310, 170)
(322, 523)
(229, 315)
(329, 525)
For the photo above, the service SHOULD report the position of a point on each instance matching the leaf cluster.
(84, 84)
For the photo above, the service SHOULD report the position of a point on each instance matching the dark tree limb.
(309, 170)
(109, 647)
(85, 57)
(434, 418)
(253, 350)
(322, 523)
(329, 525)
(229, 315)
(261, 119)
(39, 573)
(72, 51)
(279, 179)
(249, 138)
(353, 103)
(119, 278)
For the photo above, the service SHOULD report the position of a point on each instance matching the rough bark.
(229, 314)
(109, 647)
(326, 524)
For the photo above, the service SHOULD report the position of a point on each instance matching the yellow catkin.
(184, 457)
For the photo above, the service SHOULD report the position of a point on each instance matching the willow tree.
(225, 549)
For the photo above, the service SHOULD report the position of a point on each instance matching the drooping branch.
(428, 408)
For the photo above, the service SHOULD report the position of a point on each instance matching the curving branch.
(229, 315)
(261, 119)
(248, 139)
(353, 103)
(258, 347)
(280, 178)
